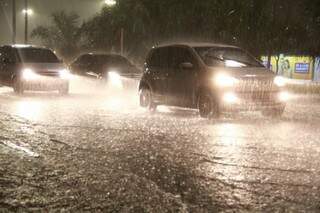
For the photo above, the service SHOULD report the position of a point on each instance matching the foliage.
(63, 35)
(260, 26)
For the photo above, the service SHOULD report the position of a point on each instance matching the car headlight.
(230, 98)
(224, 80)
(115, 79)
(280, 81)
(65, 74)
(284, 96)
(29, 74)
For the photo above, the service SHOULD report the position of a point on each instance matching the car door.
(182, 77)
(7, 65)
(158, 70)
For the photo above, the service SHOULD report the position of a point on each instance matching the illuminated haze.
(42, 11)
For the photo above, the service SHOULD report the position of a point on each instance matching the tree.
(63, 35)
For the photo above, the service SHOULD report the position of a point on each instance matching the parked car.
(212, 78)
(112, 68)
(26, 67)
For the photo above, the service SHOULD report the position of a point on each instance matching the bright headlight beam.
(223, 80)
(230, 98)
(65, 74)
(284, 96)
(280, 81)
(232, 63)
(115, 79)
(29, 74)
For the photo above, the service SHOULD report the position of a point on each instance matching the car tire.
(274, 112)
(18, 86)
(207, 106)
(145, 99)
(64, 90)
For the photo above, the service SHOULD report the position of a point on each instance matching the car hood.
(45, 67)
(245, 72)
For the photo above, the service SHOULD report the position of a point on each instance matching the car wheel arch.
(144, 85)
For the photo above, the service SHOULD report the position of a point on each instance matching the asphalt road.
(101, 152)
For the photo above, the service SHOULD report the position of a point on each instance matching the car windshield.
(227, 57)
(118, 61)
(32, 55)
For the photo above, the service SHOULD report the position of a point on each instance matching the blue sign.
(317, 70)
(302, 68)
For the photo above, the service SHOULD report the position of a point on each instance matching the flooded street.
(101, 152)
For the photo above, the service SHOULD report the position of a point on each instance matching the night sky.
(42, 10)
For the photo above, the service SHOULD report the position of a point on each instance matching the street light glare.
(110, 3)
(27, 11)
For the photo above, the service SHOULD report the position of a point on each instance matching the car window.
(34, 55)
(228, 57)
(179, 55)
(78, 60)
(118, 61)
(154, 59)
(86, 59)
(160, 58)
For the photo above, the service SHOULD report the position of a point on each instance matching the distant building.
(295, 66)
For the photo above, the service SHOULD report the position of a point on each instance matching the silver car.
(212, 78)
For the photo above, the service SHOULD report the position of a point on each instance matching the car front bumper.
(44, 84)
(233, 101)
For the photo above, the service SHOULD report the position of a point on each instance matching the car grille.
(256, 89)
(48, 73)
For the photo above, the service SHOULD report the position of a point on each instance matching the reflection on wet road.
(101, 152)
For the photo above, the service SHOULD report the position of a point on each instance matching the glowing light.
(223, 80)
(230, 98)
(29, 109)
(232, 63)
(280, 81)
(284, 96)
(227, 141)
(110, 3)
(27, 11)
(21, 45)
(115, 79)
(29, 74)
(65, 74)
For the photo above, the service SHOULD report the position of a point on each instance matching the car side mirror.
(186, 66)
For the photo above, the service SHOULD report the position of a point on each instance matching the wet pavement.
(102, 153)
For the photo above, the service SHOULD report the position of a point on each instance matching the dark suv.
(26, 67)
(212, 78)
(113, 68)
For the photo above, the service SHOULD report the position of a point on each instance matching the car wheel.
(274, 112)
(146, 101)
(64, 90)
(18, 86)
(208, 107)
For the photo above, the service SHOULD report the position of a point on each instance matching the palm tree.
(63, 35)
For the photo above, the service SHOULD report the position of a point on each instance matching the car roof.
(196, 44)
(104, 54)
(24, 46)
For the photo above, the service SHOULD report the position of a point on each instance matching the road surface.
(102, 153)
